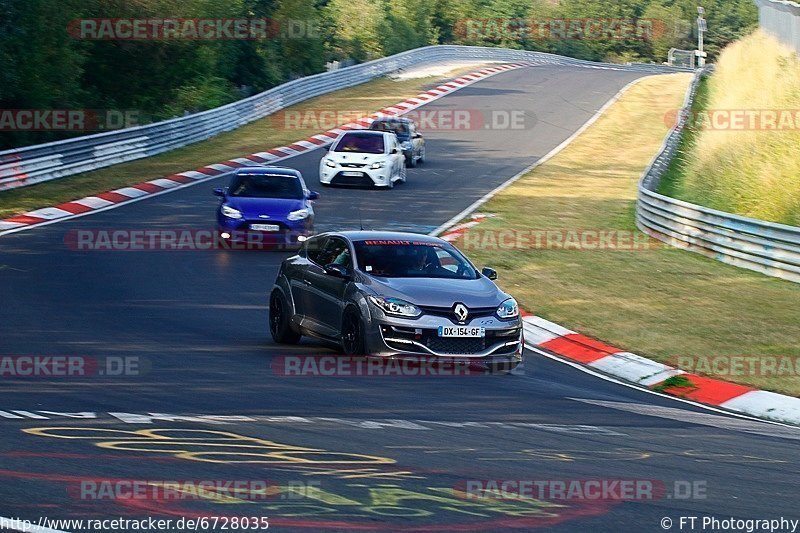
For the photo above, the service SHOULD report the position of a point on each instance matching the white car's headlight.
(376, 165)
(396, 306)
(230, 212)
(508, 309)
(300, 214)
(329, 163)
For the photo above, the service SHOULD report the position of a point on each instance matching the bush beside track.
(749, 168)
(653, 300)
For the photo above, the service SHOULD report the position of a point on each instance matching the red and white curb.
(458, 230)
(609, 360)
(111, 199)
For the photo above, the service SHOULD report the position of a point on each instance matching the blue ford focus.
(268, 206)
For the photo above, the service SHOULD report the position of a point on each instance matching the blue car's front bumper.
(289, 232)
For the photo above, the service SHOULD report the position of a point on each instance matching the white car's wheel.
(403, 173)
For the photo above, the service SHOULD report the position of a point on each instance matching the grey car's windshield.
(266, 186)
(398, 128)
(411, 259)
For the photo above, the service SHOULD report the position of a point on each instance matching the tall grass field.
(741, 161)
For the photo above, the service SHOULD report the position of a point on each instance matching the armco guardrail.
(34, 164)
(782, 20)
(766, 247)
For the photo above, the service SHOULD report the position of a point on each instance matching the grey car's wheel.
(279, 319)
(422, 155)
(410, 161)
(352, 333)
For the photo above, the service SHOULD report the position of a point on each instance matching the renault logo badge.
(461, 312)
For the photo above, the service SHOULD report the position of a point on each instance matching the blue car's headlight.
(508, 309)
(396, 306)
(300, 214)
(228, 211)
(405, 145)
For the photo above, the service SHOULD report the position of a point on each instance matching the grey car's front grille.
(456, 345)
(410, 340)
(474, 312)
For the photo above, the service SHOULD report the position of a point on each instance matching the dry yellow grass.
(753, 172)
(661, 302)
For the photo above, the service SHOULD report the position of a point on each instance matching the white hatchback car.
(363, 157)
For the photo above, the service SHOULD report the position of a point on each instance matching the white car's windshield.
(365, 143)
(412, 259)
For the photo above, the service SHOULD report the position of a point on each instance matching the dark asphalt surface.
(369, 454)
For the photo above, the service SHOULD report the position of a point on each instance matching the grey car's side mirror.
(219, 191)
(489, 272)
(337, 271)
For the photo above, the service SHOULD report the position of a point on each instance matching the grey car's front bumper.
(400, 338)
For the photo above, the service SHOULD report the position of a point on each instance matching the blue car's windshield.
(412, 259)
(266, 186)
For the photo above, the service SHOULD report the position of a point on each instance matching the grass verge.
(258, 136)
(660, 302)
(747, 166)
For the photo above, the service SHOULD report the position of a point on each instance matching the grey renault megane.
(395, 295)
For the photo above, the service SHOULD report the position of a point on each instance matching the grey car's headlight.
(300, 214)
(329, 163)
(508, 309)
(396, 306)
(377, 165)
(230, 212)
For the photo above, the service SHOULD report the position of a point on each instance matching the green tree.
(299, 38)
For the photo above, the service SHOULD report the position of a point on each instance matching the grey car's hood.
(436, 292)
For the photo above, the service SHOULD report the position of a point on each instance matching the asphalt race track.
(361, 453)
